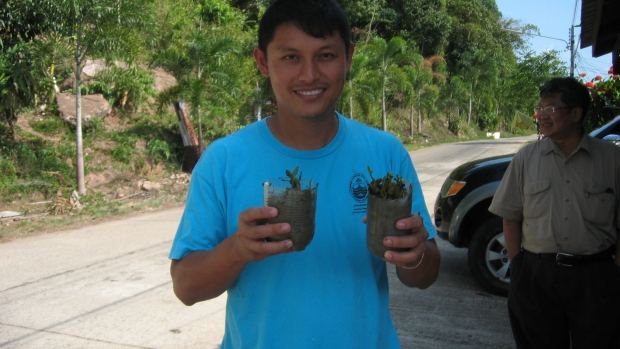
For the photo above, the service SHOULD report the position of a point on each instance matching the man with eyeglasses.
(559, 200)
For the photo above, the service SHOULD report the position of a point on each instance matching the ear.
(261, 61)
(577, 114)
(350, 56)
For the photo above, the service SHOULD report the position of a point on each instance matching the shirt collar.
(548, 146)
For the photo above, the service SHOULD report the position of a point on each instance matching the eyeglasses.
(549, 110)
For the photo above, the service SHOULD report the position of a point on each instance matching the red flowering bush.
(583, 75)
(604, 91)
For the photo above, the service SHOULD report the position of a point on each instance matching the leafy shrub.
(605, 91)
(130, 86)
(49, 126)
(122, 153)
(158, 147)
(8, 173)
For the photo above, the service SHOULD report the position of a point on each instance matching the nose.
(309, 71)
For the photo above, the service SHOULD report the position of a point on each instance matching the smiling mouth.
(311, 92)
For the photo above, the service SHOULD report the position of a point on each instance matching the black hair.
(571, 92)
(317, 18)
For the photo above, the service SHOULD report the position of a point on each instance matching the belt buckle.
(559, 256)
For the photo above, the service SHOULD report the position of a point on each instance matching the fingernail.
(288, 243)
(388, 255)
(285, 227)
(387, 242)
(400, 225)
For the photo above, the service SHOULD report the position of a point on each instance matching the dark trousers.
(553, 306)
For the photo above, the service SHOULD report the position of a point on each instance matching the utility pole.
(569, 45)
(571, 32)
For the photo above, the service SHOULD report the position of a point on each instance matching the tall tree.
(360, 88)
(454, 96)
(418, 76)
(17, 84)
(99, 28)
(388, 58)
(476, 67)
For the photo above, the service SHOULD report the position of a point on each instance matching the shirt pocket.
(598, 206)
(537, 198)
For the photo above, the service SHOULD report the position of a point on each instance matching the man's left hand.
(415, 243)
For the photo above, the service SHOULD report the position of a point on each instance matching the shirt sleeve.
(418, 205)
(203, 224)
(508, 201)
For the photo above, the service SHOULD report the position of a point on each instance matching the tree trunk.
(200, 141)
(419, 113)
(419, 120)
(78, 115)
(384, 111)
(470, 109)
(372, 18)
(411, 122)
(351, 100)
(8, 114)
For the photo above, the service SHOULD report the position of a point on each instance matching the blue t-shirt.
(335, 293)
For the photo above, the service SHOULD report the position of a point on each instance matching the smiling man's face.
(307, 74)
(560, 124)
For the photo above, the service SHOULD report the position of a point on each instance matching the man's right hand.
(249, 240)
(203, 275)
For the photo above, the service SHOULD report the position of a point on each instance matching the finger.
(251, 215)
(412, 240)
(406, 259)
(263, 231)
(413, 222)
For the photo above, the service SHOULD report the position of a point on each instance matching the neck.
(568, 145)
(303, 134)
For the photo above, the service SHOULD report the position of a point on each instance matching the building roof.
(600, 28)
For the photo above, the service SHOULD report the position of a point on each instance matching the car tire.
(488, 257)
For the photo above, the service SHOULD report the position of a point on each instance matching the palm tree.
(476, 67)
(417, 77)
(387, 58)
(17, 84)
(206, 65)
(454, 93)
(360, 88)
(98, 28)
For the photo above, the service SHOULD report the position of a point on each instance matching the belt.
(570, 260)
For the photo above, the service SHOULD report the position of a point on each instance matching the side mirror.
(613, 138)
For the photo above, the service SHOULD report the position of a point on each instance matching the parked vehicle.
(462, 217)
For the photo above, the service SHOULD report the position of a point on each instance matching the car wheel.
(488, 257)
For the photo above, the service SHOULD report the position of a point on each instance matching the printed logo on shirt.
(358, 188)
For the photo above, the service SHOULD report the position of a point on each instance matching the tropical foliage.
(605, 93)
(415, 61)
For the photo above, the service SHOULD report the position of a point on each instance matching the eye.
(289, 57)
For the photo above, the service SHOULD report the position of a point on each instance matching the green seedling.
(389, 187)
(292, 178)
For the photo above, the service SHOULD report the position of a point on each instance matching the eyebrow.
(287, 48)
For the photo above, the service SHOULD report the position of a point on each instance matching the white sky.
(554, 19)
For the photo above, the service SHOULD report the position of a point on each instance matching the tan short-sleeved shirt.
(567, 205)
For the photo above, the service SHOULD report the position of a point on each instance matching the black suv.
(462, 216)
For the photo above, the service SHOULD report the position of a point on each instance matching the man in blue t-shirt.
(333, 294)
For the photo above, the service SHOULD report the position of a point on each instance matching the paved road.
(107, 286)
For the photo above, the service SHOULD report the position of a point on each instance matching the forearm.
(426, 273)
(512, 236)
(204, 275)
